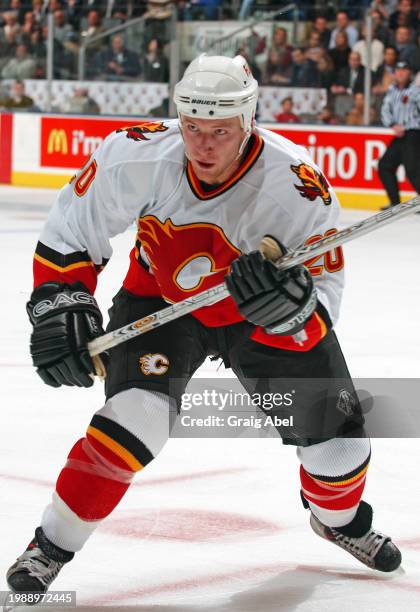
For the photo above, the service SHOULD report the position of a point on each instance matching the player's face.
(212, 146)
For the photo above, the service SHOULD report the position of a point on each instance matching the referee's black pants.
(404, 150)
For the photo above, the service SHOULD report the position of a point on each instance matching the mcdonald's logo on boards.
(57, 142)
(68, 142)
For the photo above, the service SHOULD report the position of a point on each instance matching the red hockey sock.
(340, 493)
(94, 479)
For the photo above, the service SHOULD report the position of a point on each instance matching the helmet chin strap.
(244, 143)
(248, 133)
(181, 128)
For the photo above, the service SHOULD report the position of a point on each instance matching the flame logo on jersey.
(314, 183)
(185, 259)
(154, 363)
(137, 132)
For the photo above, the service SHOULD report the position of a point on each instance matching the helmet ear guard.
(218, 87)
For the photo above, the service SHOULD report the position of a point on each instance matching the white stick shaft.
(211, 296)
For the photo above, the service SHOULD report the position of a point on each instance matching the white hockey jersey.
(189, 232)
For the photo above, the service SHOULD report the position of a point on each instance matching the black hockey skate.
(369, 546)
(34, 571)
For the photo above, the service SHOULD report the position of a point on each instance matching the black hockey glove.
(280, 301)
(65, 318)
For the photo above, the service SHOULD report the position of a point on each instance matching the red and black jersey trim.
(120, 441)
(55, 259)
(206, 192)
(51, 265)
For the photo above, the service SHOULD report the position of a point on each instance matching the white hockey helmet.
(218, 87)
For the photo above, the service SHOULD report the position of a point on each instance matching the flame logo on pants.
(154, 363)
(185, 259)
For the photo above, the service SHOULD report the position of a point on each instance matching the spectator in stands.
(354, 117)
(404, 16)
(256, 42)
(73, 11)
(184, 10)
(287, 115)
(304, 72)
(158, 9)
(119, 10)
(11, 25)
(341, 51)
(321, 26)
(274, 72)
(377, 49)
(350, 80)
(282, 47)
(326, 117)
(62, 67)
(359, 102)
(118, 62)
(29, 25)
(384, 77)
(16, 7)
(415, 58)
(38, 49)
(63, 31)
(344, 25)
(381, 30)
(8, 44)
(21, 66)
(65, 35)
(93, 27)
(157, 15)
(385, 7)
(79, 103)
(404, 45)
(313, 48)
(17, 99)
(325, 71)
(156, 65)
(39, 9)
(374, 118)
(93, 5)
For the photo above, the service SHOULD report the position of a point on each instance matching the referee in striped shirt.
(401, 111)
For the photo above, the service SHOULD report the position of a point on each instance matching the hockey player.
(204, 189)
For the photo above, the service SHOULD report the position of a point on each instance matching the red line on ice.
(187, 525)
(141, 483)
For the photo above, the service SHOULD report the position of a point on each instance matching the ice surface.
(213, 524)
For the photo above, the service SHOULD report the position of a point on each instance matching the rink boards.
(40, 150)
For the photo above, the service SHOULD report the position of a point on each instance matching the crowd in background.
(331, 54)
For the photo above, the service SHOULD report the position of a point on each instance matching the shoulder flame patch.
(314, 183)
(137, 132)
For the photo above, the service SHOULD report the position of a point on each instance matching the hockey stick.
(268, 247)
